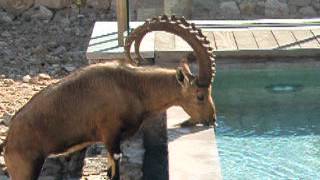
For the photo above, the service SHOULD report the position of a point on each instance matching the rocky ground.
(38, 48)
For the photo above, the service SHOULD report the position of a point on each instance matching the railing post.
(122, 18)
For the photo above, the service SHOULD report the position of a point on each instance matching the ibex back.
(100, 103)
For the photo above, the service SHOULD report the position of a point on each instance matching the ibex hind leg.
(23, 168)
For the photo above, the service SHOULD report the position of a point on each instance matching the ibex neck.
(161, 90)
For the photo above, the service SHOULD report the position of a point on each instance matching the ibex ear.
(180, 76)
(184, 75)
(185, 78)
(186, 71)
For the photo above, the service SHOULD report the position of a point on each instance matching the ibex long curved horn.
(192, 35)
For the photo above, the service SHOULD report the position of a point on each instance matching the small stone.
(3, 44)
(276, 9)
(69, 67)
(26, 78)
(293, 10)
(43, 76)
(260, 7)
(56, 4)
(308, 11)
(229, 9)
(99, 4)
(77, 31)
(316, 4)
(299, 3)
(52, 44)
(8, 81)
(2, 76)
(16, 7)
(67, 29)
(4, 17)
(52, 59)
(6, 118)
(5, 34)
(36, 88)
(9, 53)
(247, 7)
(38, 13)
(39, 50)
(55, 66)
(60, 50)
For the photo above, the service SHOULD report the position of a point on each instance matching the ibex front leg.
(112, 144)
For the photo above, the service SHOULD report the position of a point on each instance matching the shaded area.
(155, 164)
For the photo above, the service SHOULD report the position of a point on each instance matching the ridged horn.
(180, 27)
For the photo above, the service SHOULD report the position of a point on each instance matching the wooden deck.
(254, 42)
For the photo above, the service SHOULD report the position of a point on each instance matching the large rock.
(276, 9)
(4, 17)
(38, 13)
(247, 7)
(54, 4)
(205, 9)
(307, 11)
(16, 7)
(229, 10)
(299, 2)
(316, 4)
(178, 7)
(260, 8)
(145, 13)
(293, 11)
(99, 4)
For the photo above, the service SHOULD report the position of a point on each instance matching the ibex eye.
(200, 97)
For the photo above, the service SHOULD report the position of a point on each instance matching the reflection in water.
(263, 134)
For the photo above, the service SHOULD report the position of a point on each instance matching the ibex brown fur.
(99, 103)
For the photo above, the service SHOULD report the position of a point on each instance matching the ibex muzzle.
(108, 102)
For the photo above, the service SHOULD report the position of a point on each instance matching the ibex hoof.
(117, 156)
(109, 174)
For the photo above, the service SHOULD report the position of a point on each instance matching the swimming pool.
(269, 120)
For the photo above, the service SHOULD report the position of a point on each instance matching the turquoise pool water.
(269, 122)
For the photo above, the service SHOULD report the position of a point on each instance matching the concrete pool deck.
(193, 152)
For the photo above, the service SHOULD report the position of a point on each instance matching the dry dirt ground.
(35, 52)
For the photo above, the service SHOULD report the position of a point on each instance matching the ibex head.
(196, 99)
(195, 89)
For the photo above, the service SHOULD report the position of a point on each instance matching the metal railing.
(122, 19)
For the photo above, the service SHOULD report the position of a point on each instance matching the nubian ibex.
(108, 102)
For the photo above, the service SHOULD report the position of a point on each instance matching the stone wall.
(192, 9)
(17, 7)
(230, 9)
(252, 9)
